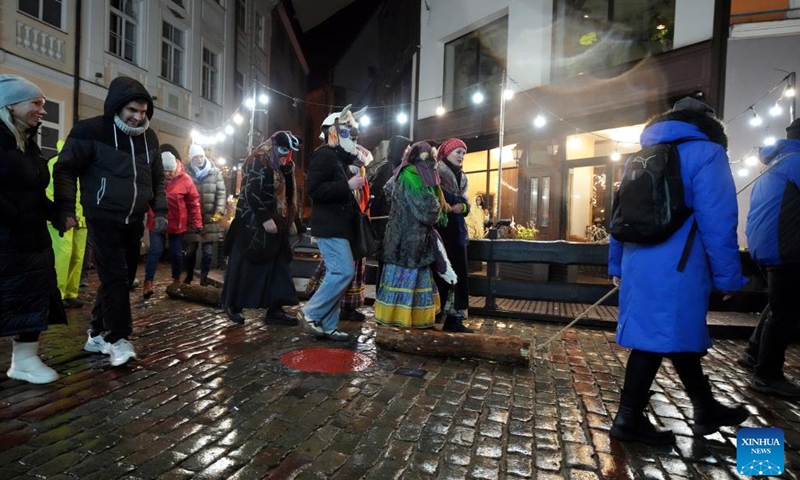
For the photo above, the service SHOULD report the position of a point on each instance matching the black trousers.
(114, 245)
(642, 368)
(778, 324)
(458, 259)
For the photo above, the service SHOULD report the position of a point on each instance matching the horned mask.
(341, 128)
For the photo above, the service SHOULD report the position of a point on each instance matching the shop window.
(474, 63)
(591, 35)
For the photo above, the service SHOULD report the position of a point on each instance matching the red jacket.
(184, 204)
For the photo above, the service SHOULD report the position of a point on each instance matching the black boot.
(709, 414)
(235, 315)
(455, 324)
(632, 425)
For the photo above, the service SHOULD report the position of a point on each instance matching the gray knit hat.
(15, 89)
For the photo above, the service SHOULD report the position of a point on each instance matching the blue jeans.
(154, 254)
(205, 260)
(323, 307)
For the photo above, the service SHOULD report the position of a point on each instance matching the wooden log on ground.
(195, 293)
(443, 344)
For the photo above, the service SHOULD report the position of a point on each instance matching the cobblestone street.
(209, 399)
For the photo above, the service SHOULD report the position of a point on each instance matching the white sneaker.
(119, 352)
(313, 327)
(27, 366)
(95, 344)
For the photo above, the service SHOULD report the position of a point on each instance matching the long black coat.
(334, 212)
(29, 296)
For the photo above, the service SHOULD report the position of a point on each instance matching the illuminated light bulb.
(660, 26)
(769, 141)
(221, 161)
(238, 119)
(574, 141)
(539, 121)
(194, 134)
(789, 92)
(776, 110)
(263, 98)
(508, 94)
(751, 160)
(229, 129)
(402, 118)
(440, 110)
(477, 97)
(743, 172)
(365, 121)
(250, 103)
(220, 137)
(615, 156)
(755, 120)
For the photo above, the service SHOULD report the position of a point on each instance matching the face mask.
(347, 143)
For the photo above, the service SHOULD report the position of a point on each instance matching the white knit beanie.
(195, 150)
(168, 160)
(15, 89)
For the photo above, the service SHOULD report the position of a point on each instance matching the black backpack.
(649, 205)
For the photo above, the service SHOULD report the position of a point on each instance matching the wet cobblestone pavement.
(211, 400)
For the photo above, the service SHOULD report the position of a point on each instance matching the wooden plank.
(560, 292)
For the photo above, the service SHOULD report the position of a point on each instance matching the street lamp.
(516, 152)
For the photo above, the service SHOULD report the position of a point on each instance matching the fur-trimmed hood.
(708, 125)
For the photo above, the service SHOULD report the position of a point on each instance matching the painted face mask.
(341, 129)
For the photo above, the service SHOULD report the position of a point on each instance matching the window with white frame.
(261, 34)
(241, 14)
(48, 11)
(123, 24)
(210, 75)
(172, 53)
(50, 130)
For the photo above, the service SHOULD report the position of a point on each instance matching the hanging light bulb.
(789, 92)
(221, 161)
(238, 119)
(751, 160)
(508, 94)
(540, 121)
(776, 109)
(229, 129)
(365, 121)
(402, 118)
(440, 110)
(220, 137)
(263, 99)
(755, 120)
(769, 141)
(743, 172)
(194, 134)
(477, 98)
(574, 141)
(250, 103)
(615, 156)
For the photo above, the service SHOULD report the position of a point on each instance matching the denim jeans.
(157, 247)
(205, 259)
(323, 306)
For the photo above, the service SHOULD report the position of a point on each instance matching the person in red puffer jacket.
(184, 214)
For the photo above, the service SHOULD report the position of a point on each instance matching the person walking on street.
(69, 249)
(184, 214)
(29, 296)
(333, 220)
(665, 287)
(213, 200)
(454, 233)
(258, 273)
(773, 238)
(116, 156)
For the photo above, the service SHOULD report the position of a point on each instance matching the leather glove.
(62, 221)
(161, 223)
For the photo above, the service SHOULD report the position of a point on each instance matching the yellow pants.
(69, 251)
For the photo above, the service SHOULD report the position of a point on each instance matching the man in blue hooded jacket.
(773, 237)
(662, 309)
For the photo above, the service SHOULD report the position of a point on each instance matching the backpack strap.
(687, 248)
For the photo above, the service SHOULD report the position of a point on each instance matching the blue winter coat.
(661, 309)
(773, 223)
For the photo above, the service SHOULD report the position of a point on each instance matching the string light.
(263, 99)
(540, 121)
(402, 118)
(755, 120)
(616, 156)
(229, 129)
(508, 94)
(440, 110)
(238, 119)
(751, 160)
(769, 141)
(776, 109)
(364, 121)
(477, 98)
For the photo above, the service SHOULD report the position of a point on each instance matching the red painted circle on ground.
(326, 360)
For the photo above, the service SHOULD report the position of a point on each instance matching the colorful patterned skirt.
(355, 293)
(407, 298)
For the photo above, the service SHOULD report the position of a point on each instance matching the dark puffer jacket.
(334, 212)
(29, 296)
(120, 175)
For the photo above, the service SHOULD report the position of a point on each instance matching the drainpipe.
(76, 74)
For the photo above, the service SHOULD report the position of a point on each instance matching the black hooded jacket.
(381, 205)
(120, 175)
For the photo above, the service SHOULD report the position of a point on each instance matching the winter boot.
(176, 280)
(632, 425)
(147, 289)
(709, 414)
(455, 324)
(27, 366)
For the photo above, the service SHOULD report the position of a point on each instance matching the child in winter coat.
(184, 213)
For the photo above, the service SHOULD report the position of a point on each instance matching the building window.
(50, 130)
(48, 11)
(122, 29)
(172, 51)
(474, 63)
(238, 81)
(178, 3)
(595, 34)
(481, 168)
(241, 14)
(210, 75)
(261, 36)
